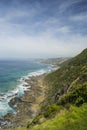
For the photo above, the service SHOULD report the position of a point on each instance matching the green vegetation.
(48, 113)
(80, 59)
(65, 106)
(69, 83)
(74, 119)
(67, 92)
(51, 110)
(77, 96)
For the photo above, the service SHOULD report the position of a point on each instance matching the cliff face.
(69, 83)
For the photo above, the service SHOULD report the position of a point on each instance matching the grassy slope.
(74, 119)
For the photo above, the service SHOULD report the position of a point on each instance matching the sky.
(42, 28)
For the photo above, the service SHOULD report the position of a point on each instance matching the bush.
(67, 106)
(77, 96)
(52, 110)
(79, 101)
(34, 122)
(36, 119)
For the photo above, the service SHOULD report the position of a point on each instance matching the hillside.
(64, 107)
(74, 119)
(69, 83)
(65, 104)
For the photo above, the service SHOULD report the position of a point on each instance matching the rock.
(7, 117)
(14, 101)
(1, 121)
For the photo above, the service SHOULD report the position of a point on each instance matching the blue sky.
(42, 28)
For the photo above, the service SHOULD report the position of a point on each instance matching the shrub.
(52, 110)
(77, 96)
(79, 101)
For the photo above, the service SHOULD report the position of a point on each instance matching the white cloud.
(64, 29)
(54, 38)
(43, 46)
(81, 17)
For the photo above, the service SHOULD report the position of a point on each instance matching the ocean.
(12, 75)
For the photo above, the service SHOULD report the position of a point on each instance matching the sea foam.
(18, 91)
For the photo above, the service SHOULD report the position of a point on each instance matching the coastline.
(29, 105)
(12, 81)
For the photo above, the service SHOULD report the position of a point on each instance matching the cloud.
(42, 29)
(64, 29)
(66, 5)
(43, 46)
(79, 18)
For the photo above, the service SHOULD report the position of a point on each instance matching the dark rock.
(14, 101)
(7, 117)
(1, 120)
(2, 94)
(57, 95)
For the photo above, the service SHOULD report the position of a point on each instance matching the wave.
(18, 91)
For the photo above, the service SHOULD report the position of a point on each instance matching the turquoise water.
(12, 74)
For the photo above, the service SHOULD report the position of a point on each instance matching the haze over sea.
(12, 73)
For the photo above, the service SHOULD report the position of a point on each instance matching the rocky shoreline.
(28, 106)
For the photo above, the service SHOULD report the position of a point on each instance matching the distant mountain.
(55, 61)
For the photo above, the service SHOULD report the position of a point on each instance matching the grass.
(74, 119)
